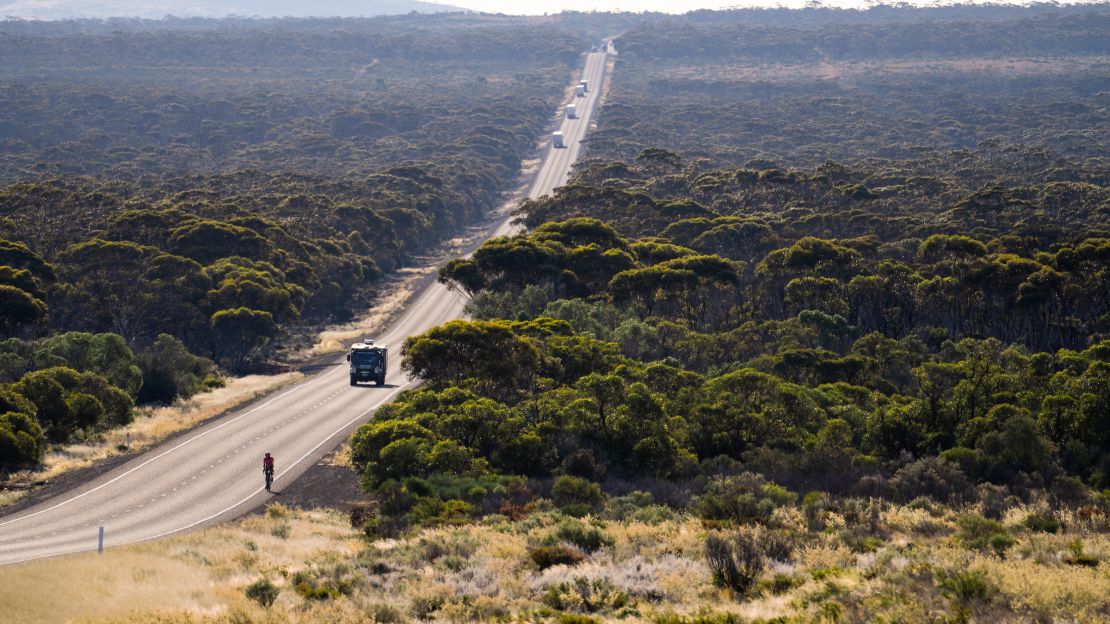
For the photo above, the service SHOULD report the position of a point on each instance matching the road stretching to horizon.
(214, 473)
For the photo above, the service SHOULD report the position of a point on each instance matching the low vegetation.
(682, 569)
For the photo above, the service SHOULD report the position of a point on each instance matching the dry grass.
(483, 572)
(150, 427)
(199, 574)
(396, 294)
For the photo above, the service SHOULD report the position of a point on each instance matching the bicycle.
(269, 474)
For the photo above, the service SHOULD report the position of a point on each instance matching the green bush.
(321, 584)
(588, 538)
(781, 583)
(22, 442)
(583, 595)
(568, 490)
(622, 507)
(1076, 555)
(263, 592)
(1041, 523)
(546, 556)
(979, 533)
(171, 372)
(742, 499)
(966, 585)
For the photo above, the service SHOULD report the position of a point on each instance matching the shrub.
(360, 514)
(321, 585)
(582, 464)
(583, 595)
(588, 538)
(384, 614)
(1077, 556)
(1069, 490)
(709, 618)
(937, 478)
(781, 583)
(574, 618)
(424, 606)
(778, 545)
(263, 592)
(171, 372)
(979, 533)
(1041, 523)
(22, 442)
(569, 490)
(277, 510)
(965, 585)
(622, 507)
(458, 544)
(735, 562)
(995, 500)
(653, 514)
(815, 508)
(546, 556)
(281, 531)
(742, 498)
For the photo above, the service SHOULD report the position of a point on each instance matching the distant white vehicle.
(572, 111)
(580, 91)
(585, 84)
(557, 139)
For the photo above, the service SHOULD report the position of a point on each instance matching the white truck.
(557, 139)
(585, 84)
(580, 91)
(572, 111)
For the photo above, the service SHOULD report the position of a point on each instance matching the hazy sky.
(538, 7)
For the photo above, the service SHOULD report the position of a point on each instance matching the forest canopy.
(223, 191)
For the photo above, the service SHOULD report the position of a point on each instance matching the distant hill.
(155, 9)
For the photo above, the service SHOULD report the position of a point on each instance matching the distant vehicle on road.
(580, 91)
(572, 111)
(368, 362)
(557, 139)
(585, 84)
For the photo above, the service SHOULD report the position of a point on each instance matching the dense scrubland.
(808, 269)
(817, 333)
(174, 201)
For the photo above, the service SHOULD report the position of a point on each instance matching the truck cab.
(368, 362)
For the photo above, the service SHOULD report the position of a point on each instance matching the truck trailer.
(585, 84)
(572, 111)
(368, 362)
(557, 139)
(580, 91)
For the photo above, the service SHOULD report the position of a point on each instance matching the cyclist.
(268, 470)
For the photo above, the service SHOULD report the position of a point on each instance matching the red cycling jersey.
(268, 462)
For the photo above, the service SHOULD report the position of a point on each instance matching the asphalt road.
(213, 473)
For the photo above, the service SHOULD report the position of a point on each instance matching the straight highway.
(213, 473)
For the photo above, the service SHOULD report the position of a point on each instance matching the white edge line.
(354, 420)
(297, 388)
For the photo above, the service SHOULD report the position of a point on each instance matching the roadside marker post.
(100, 542)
